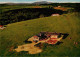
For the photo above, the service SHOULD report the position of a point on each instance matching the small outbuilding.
(59, 6)
(55, 15)
(2, 27)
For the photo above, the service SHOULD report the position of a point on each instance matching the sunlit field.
(16, 33)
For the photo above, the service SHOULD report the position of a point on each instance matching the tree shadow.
(58, 43)
(65, 35)
(27, 41)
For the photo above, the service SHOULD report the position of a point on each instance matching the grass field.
(15, 34)
(12, 7)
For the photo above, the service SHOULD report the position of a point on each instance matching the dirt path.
(29, 47)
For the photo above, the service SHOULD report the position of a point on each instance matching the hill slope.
(16, 33)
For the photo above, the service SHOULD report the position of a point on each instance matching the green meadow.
(12, 7)
(16, 33)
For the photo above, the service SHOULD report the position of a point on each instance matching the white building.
(55, 15)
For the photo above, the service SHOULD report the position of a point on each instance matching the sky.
(30, 1)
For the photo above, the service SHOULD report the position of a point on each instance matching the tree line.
(26, 14)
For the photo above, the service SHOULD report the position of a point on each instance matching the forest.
(26, 14)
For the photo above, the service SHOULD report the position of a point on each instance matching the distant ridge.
(42, 2)
(38, 2)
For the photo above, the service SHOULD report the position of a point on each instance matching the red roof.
(51, 41)
(1, 25)
(43, 39)
(35, 36)
(53, 38)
